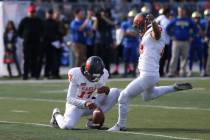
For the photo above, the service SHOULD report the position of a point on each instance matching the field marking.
(109, 80)
(36, 124)
(131, 105)
(53, 91)
(156, 135)
(124, 132)
(170, 107)
(19, 111)
(33, 99)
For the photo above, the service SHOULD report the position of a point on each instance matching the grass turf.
(156, 119)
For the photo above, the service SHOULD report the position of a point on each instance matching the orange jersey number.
(85, 94)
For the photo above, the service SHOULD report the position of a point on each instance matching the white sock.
(123, 113)
(157, 92)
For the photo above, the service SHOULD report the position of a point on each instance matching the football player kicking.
(151, 47)
(84, 81)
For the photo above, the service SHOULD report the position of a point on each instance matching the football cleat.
(53, 121)
(116, 128)
(182, 86)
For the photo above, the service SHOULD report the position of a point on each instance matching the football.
(98, 118)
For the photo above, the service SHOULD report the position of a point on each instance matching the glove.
(150, 18)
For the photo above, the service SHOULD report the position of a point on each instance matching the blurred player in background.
(84, 81)
(91, 32)
(130, 44)
(196, 45)
(163, 20)
(78, 28)
(152, 45)
(207, 42)
(180, 30)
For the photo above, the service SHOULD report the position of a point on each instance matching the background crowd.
(104, 28)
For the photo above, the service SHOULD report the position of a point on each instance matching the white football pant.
(145, 86)
(73, 114)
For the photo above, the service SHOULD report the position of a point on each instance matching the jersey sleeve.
(72, 91)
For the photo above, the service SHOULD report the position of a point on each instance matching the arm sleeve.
(72, 97)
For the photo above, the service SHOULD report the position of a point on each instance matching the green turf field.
(26, 108)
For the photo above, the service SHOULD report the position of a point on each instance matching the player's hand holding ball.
(97, 119)
(90, 105)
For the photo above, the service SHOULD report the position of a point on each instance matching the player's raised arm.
(156, 29)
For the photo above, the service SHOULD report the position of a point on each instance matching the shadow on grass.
(174, 130)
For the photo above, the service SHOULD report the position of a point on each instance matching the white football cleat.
(53, 121)
(116, 128)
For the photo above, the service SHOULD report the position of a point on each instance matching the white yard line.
(170, 107)
(156, 135)
(124, 132)
(53, 91)
(19, 111)
(36, 124)
(110, 80)
(132, 105)
(33, 99)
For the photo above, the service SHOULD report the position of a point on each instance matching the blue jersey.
(90, 34)
(129, 41)
(77, 36)
(204, 25)
(197, 36)
(181, 28)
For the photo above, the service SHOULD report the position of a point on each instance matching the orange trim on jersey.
(141, 49)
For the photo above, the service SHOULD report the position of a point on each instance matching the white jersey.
(164, 21)
(80, 89)
(150, 52)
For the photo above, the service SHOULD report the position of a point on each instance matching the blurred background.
(43, 39)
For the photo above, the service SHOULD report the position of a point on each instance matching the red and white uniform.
(150, 52)
(81, 90)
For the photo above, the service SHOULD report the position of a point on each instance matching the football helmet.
(140, 23)
(196, 14)
(94, 68)
(207, 12)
